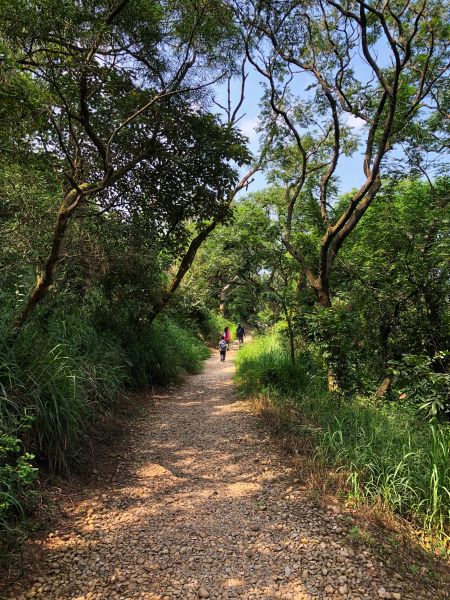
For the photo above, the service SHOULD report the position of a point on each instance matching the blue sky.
(349, 169)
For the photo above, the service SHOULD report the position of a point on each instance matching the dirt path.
(204, 504)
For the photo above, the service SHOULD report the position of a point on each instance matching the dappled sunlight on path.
(203, 504)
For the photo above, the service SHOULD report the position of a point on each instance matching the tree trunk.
(433, 302)
(323, 295)
(386, 326)
(45, 279)
(291, 337)
(385, 385)
(185, 265)
(223, 298)
(333, 384)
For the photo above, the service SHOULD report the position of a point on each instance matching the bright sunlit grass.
(389, 455)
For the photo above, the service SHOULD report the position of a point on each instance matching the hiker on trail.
(222, 348)
(227, 336)
(240, 334)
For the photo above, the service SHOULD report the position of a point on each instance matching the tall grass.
(163, 353)
(264, 365)
(390, 455)
(58, 380)
(67, 376)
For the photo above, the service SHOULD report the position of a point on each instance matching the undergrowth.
(17, 479)
(57, 382)
(162, 354)
(212, 327)
(388, 454)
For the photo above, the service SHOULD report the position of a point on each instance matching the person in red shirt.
(227, 336)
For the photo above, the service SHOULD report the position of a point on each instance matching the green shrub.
(17, 478)
(163, 353)
(389, 454)
(212, 327)
(264, 364)
(421, 384)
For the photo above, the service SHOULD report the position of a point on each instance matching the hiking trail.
(204, 504)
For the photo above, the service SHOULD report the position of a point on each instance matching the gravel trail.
(203, 504)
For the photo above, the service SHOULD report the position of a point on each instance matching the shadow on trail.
(202, 498)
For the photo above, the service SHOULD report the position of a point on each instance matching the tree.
(234, 263)
(327, 63)
(395, 271)
(122, 89)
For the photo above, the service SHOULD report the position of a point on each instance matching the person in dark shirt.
(240, 334)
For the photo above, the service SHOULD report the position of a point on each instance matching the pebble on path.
(204, 504)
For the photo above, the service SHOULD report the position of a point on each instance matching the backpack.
(240, 331)
(222, 345)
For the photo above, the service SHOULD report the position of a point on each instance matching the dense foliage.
(123, 236)
(386, 454)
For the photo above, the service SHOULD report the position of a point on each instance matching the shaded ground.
(203, 503)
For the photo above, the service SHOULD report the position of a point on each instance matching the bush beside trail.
(58, 382)
(388, 454)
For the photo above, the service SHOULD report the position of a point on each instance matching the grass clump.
(163, 353)
(65, 377)
(389, 454)
(59, 379)
(264, 365)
